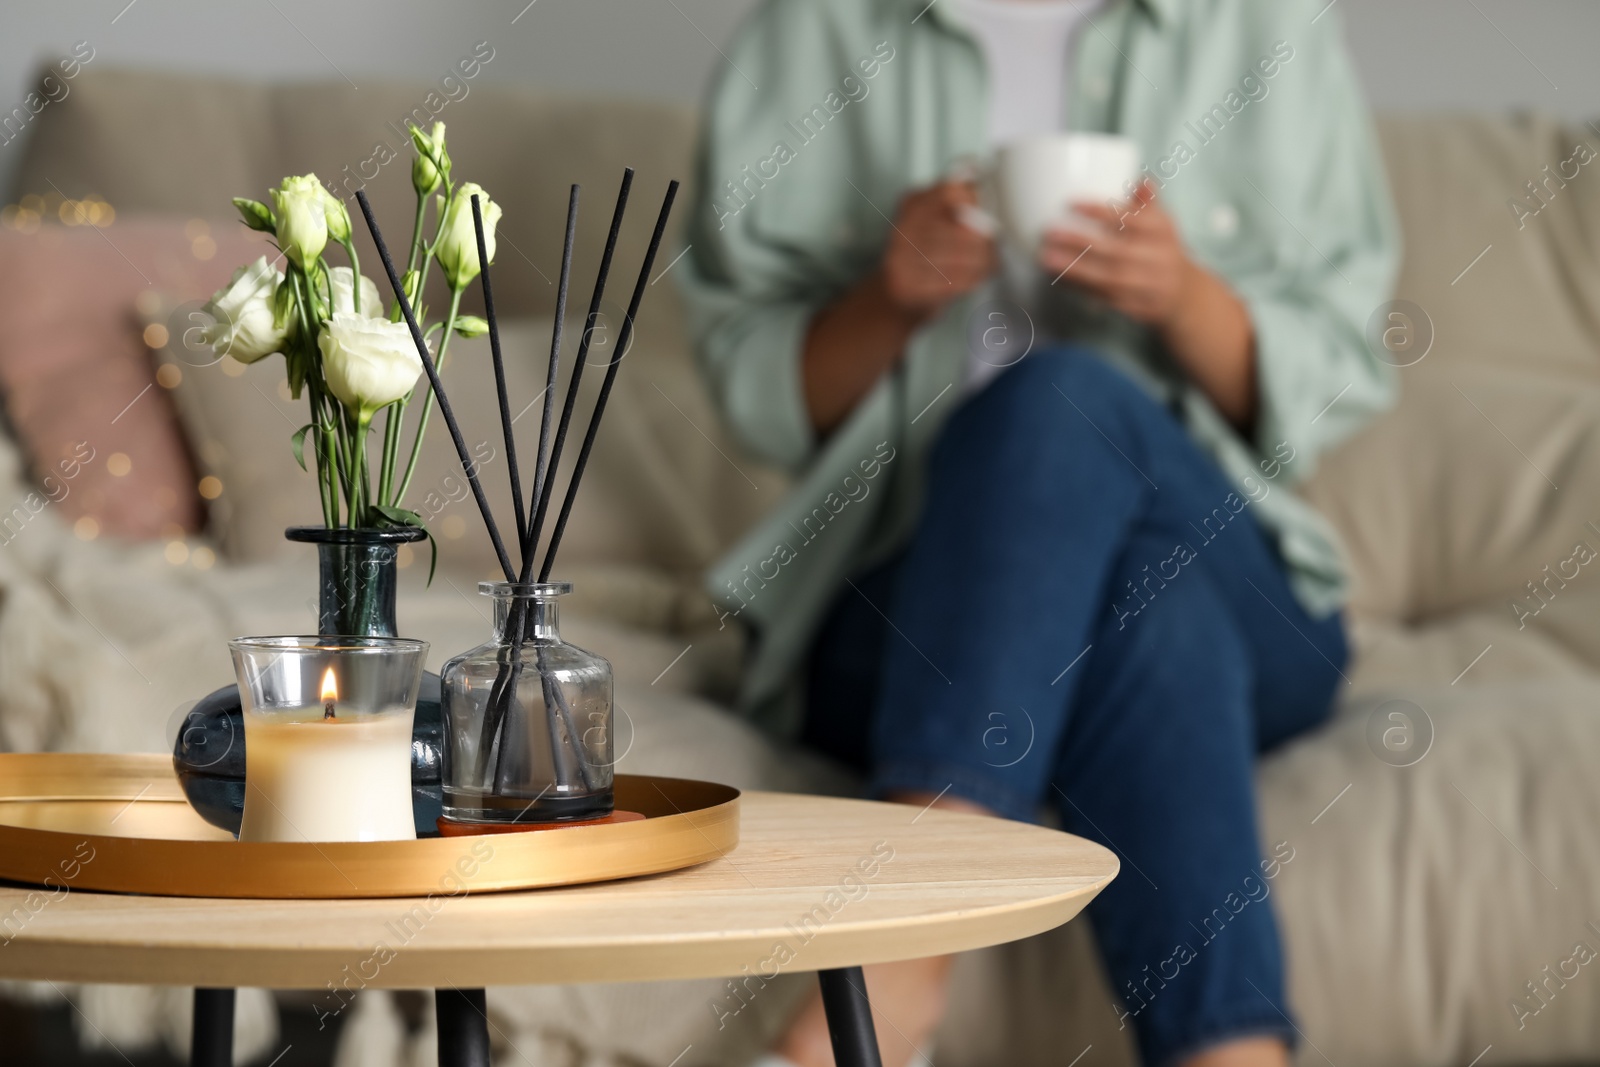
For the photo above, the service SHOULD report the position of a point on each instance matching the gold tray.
(121, 824)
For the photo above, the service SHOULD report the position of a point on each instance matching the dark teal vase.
(356, 598)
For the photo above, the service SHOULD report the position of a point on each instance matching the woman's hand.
(1136, 262)
(932, 256)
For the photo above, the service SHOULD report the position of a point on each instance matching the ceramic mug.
(1032, 183)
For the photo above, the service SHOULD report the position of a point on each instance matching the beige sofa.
(1422, 900)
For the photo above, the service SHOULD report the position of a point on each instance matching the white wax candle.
(313, 778)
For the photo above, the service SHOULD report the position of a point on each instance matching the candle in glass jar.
(327, 773)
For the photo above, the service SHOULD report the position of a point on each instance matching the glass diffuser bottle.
(527, 719)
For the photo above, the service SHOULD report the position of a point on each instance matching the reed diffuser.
(528, 717)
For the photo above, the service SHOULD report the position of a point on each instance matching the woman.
(1078, 579)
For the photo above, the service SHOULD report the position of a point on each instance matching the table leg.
(844, 999)
(463, 1027)
(211, 1043)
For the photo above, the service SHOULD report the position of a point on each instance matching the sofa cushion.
(77, 376)
(1486, 471)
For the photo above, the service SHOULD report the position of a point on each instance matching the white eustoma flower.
(368, 362)
(458, 240)
(339, 292)
(302, 205)
(241, 314)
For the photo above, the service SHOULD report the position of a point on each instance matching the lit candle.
(327, 771)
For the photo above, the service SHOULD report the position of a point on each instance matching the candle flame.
(330, 687)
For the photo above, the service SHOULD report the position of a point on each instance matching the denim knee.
(1058, 398)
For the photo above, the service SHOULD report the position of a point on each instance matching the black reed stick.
(467, 466)
(499, 371)
(577, 373)
(518, 617)
(623, 338)
(530, 540)
(495, 721)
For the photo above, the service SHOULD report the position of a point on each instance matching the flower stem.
(416, 232)
(327, 446)
(363, 423)
(330, 508)
(427, 401)
(336, 431)
(391, 447)
(355, 277)
(427, 253)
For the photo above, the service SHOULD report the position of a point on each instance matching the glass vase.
(356, 577)
(356, 588)
(527, 719)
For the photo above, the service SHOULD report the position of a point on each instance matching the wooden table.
(816, 884)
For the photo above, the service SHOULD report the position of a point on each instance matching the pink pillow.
(77, 376)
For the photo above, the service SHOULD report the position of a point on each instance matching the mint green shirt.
(828, 111)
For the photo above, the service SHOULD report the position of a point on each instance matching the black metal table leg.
(463, 1027)
(212, 1036)
(844, 999)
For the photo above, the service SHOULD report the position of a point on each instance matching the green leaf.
(298, 443)
(256, 215)
(319, 286)
(402, 517)
(408, 285)
(471, 326)
(294, 364)
(282, 306)
(423, 142)
(398, 516)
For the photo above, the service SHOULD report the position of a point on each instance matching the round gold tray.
(121, 824)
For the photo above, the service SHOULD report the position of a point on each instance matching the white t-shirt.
(1028, 48)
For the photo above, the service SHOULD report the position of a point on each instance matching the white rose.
(339, 286)
(458, 241)
(242, 315)
(302, 205)
(368, 362)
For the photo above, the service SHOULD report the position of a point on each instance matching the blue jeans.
(1089, 617)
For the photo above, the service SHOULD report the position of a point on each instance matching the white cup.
(1034, 182)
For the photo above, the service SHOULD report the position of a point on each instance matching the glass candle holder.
(527, 719)
(327, 726)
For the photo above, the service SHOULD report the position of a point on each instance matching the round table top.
(815, 883)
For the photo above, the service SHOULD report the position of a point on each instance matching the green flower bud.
(432, 165)
(338, 216)
(256, 215)
(458, 238)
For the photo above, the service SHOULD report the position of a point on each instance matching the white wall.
(1479, 54)
(1491, 55)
